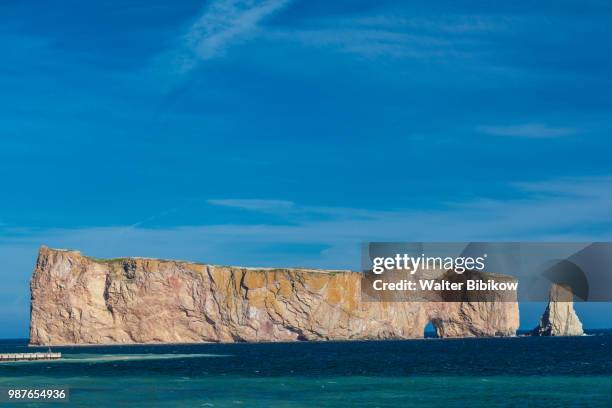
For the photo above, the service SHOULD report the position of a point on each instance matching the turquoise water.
(537, 372)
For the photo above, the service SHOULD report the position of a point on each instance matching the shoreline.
(268, 342)
(525, 334)
(288, 342)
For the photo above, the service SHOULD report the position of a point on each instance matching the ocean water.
(502, 372)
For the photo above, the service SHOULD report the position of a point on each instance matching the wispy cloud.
(565, 209)
(372, 42)
(395, 35)
(452, 24)
(569, 187)
(255, 204)
(528, 130)
(222, 23)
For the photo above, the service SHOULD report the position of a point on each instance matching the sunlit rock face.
(559, 318)
(81, 300)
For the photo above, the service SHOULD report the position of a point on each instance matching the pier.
(29, 356)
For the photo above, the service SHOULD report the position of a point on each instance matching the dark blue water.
(570, 371)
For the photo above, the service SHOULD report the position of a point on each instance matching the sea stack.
(559, 318)
(81, 300)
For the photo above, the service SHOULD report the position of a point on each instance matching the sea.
(481, 372)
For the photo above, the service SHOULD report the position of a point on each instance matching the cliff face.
(559, 318)
(79, 300)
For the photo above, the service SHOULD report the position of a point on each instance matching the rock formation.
(81, 300)
(559, 318)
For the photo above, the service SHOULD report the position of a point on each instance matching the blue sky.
(284, 133)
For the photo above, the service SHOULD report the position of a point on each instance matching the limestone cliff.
(81, 300)
(559, 318)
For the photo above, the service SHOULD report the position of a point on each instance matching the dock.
(29, 356)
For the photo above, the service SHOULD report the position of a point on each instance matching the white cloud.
(394, 35)
(222, 23)
(568, 209)
(371, 42)
(451, 24)
(528, 130)
(255, 204)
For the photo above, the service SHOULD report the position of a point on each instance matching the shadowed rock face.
(80, 300)
(559, 318)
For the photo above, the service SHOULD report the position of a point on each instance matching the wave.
(106, 358)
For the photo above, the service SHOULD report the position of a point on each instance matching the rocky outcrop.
(81, 300)
(559, 318)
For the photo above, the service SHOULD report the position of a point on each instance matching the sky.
(287, 132)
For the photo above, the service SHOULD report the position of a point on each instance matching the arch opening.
(430, 332)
